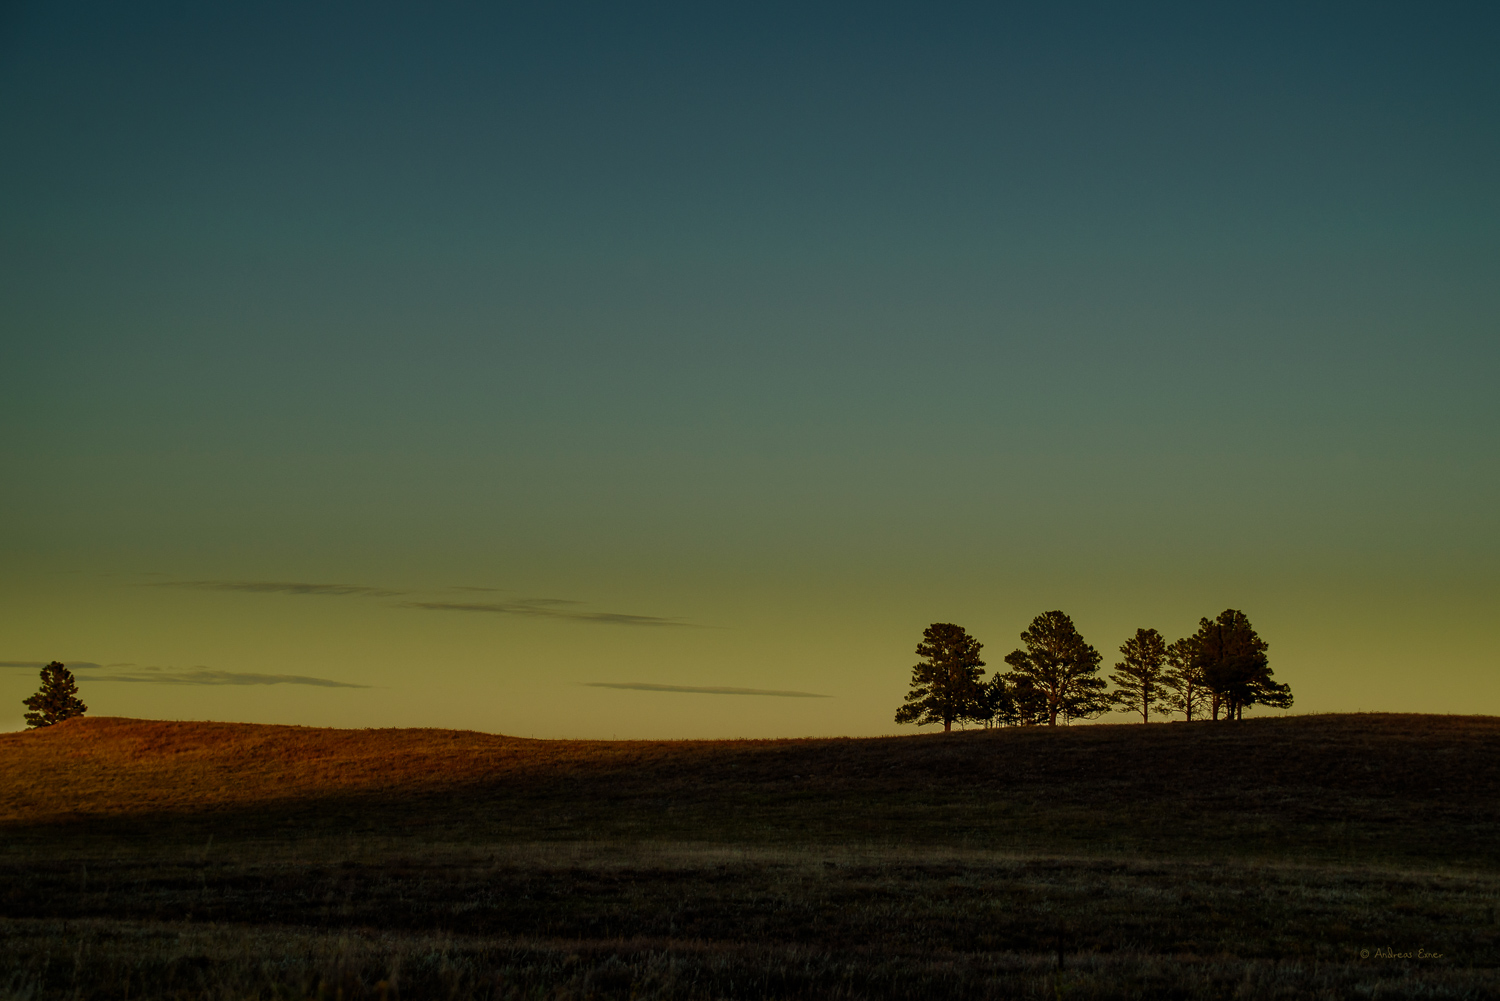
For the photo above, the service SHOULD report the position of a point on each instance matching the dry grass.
(696, 921)
(1340, 788)
(1258, 860)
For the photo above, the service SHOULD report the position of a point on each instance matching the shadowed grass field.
(1270, 858)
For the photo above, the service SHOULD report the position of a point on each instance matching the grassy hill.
(1269, 858)
(1337, 786)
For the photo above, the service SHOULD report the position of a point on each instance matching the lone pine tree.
(1056, 674)
(945, 686)
(57, 700)
(1139, 677)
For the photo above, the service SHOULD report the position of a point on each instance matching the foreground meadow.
(1331, 856)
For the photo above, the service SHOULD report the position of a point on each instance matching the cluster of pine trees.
(1216, 672)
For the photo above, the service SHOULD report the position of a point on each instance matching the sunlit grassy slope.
(1335, 786)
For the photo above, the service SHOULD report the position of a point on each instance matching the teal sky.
(587, 344)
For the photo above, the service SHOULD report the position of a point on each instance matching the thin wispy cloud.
(190, 676)
(280, 587)
(205, 676)
(641, 686)
(81, 665)
(542, 608)
(546, 608)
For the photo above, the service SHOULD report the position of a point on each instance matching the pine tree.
(1139, 676)
(1184, 690)
(945, 686)
(1028, 703)
(997, 704)
(1056, 674)
(1235, 666)
(57, 700)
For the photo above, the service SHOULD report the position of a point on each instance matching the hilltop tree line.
(1217, 672)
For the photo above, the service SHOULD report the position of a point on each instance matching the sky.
(457, 364)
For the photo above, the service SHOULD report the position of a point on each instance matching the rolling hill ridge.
(1303, 785)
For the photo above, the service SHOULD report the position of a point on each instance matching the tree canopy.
(1139, 677)
(1184, 690)
(1218, 671)
(57, 700)
(997, 705)
(945, 684)
(1056, 675)
(1235, 667)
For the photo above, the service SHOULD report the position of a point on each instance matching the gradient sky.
(489, 356)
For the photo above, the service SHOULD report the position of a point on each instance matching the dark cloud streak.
(204, 676)
(280, 587)
(192, 676)
(546, 608)
(640, 686)
(80, 665)
(542, 608)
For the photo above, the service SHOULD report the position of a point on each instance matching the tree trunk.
(947, 725)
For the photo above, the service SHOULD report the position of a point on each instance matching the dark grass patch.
(113, 960)
(875, 922)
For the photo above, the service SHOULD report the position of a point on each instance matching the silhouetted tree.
(1235, 667)
(1139, 676)
(945, 686)
(1027, 701)
(1183, 688)
(58, 699)
(1056, 674)
(996, 706)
